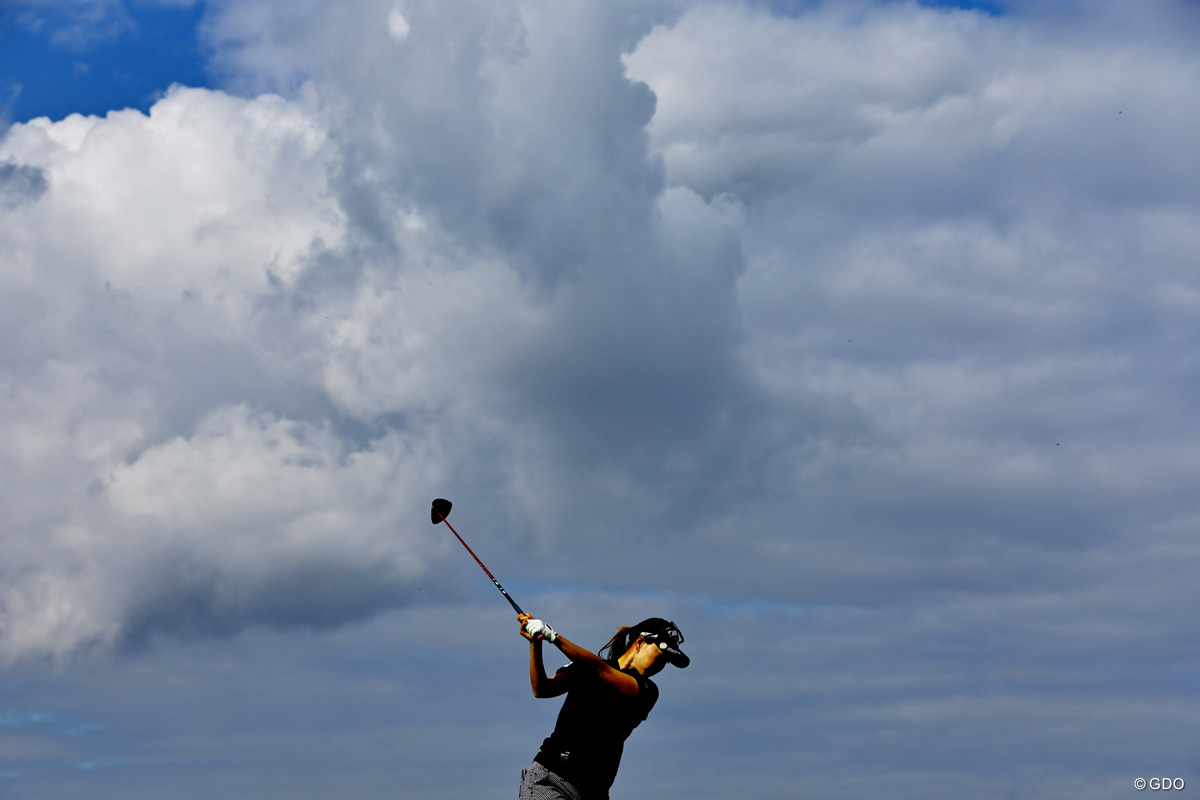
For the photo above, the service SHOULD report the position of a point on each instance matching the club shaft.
(511, 602)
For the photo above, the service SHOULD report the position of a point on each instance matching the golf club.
(439, 512)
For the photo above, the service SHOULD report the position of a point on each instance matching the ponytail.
(617, 645)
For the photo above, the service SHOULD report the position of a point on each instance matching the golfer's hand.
(522, 619)
(534, 629)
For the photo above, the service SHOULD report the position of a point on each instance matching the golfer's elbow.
(547, 688)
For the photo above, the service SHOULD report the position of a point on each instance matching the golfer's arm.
(579, 655)
(542, 684)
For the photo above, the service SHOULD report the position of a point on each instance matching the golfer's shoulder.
(646, 700)
(647, 689)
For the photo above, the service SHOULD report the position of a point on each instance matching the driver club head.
(440, 510)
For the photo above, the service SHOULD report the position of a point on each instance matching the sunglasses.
(670, 633)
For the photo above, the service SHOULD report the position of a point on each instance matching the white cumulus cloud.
(398, 26)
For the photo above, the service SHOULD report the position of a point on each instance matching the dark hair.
(617, 645)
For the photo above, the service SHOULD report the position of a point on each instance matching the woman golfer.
(608, 695)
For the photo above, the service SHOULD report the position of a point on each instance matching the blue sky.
(50, 68)
(856, 337)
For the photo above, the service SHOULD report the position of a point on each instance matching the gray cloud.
(546, 168)
(20, 183)
(913, 199)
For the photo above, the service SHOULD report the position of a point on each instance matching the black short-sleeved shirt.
(593, 724)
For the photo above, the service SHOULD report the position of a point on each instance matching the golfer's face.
(649, 659)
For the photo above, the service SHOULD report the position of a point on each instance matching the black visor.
(666, 635)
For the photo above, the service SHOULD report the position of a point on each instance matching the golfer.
(608, 695)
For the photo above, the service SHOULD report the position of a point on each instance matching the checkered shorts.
(539, 783)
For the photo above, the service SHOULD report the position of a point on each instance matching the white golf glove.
(536, 628)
